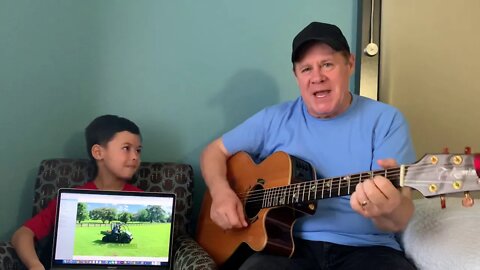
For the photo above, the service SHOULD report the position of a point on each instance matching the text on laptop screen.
(117, 228)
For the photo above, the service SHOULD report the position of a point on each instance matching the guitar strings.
(296, 188)
(335, 184)
(279, 196)
(315, 187)
(332, 183)
(390, 173)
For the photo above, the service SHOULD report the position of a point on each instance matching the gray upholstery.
(151, 176)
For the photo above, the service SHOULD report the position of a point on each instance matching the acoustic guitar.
(280, 189)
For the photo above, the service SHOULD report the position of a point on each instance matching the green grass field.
(152, 240)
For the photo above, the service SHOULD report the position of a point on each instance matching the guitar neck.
(313, 190)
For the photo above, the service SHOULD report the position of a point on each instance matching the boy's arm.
(23, 242)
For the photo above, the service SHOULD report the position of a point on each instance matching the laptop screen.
(113, 229)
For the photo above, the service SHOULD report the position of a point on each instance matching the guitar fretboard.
(309, 191)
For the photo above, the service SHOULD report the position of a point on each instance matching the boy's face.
(120, 158)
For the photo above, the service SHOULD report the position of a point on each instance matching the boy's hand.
(37, 267)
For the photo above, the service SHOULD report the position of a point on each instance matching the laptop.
(98, 229)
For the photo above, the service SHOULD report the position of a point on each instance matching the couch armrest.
(190, 255)
(8, 257)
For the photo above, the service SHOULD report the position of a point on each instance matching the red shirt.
(42, 223)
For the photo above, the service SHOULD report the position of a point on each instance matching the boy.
(114, 146)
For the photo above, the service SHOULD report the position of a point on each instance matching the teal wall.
(184, 71)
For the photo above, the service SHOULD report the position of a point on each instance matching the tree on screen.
(82, 213)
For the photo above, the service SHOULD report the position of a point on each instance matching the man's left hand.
(379, 199)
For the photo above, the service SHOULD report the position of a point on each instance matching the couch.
(151, 176)
(443, 239)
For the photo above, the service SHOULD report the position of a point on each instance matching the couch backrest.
(151, 176)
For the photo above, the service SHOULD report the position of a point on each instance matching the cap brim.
(334, 44)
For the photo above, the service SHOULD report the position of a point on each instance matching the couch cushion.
(443, 238)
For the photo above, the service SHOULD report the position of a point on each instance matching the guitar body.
(280, 189)
(270, 229)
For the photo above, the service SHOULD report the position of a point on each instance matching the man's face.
(323, 78)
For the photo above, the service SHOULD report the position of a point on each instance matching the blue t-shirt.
(347, 144)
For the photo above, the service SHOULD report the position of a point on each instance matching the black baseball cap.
(323, 32)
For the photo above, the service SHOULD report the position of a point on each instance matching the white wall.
(430, 70)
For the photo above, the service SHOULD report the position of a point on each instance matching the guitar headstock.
(440, 174)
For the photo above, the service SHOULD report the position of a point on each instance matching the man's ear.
(351, 63)
(97, 152)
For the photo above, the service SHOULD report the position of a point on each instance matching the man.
(339, 133)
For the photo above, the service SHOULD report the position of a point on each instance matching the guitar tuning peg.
(468, 150)
(443, 201)
(467, 200)
(445, 150)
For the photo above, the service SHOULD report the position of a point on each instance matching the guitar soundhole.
(254, 200)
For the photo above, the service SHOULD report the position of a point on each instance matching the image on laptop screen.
(113, 228)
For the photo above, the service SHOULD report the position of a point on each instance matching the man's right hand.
(227, 209)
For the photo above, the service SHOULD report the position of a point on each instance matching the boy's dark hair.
(103, 128)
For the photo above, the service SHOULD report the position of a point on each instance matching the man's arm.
(226, 210)
(23, 242)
